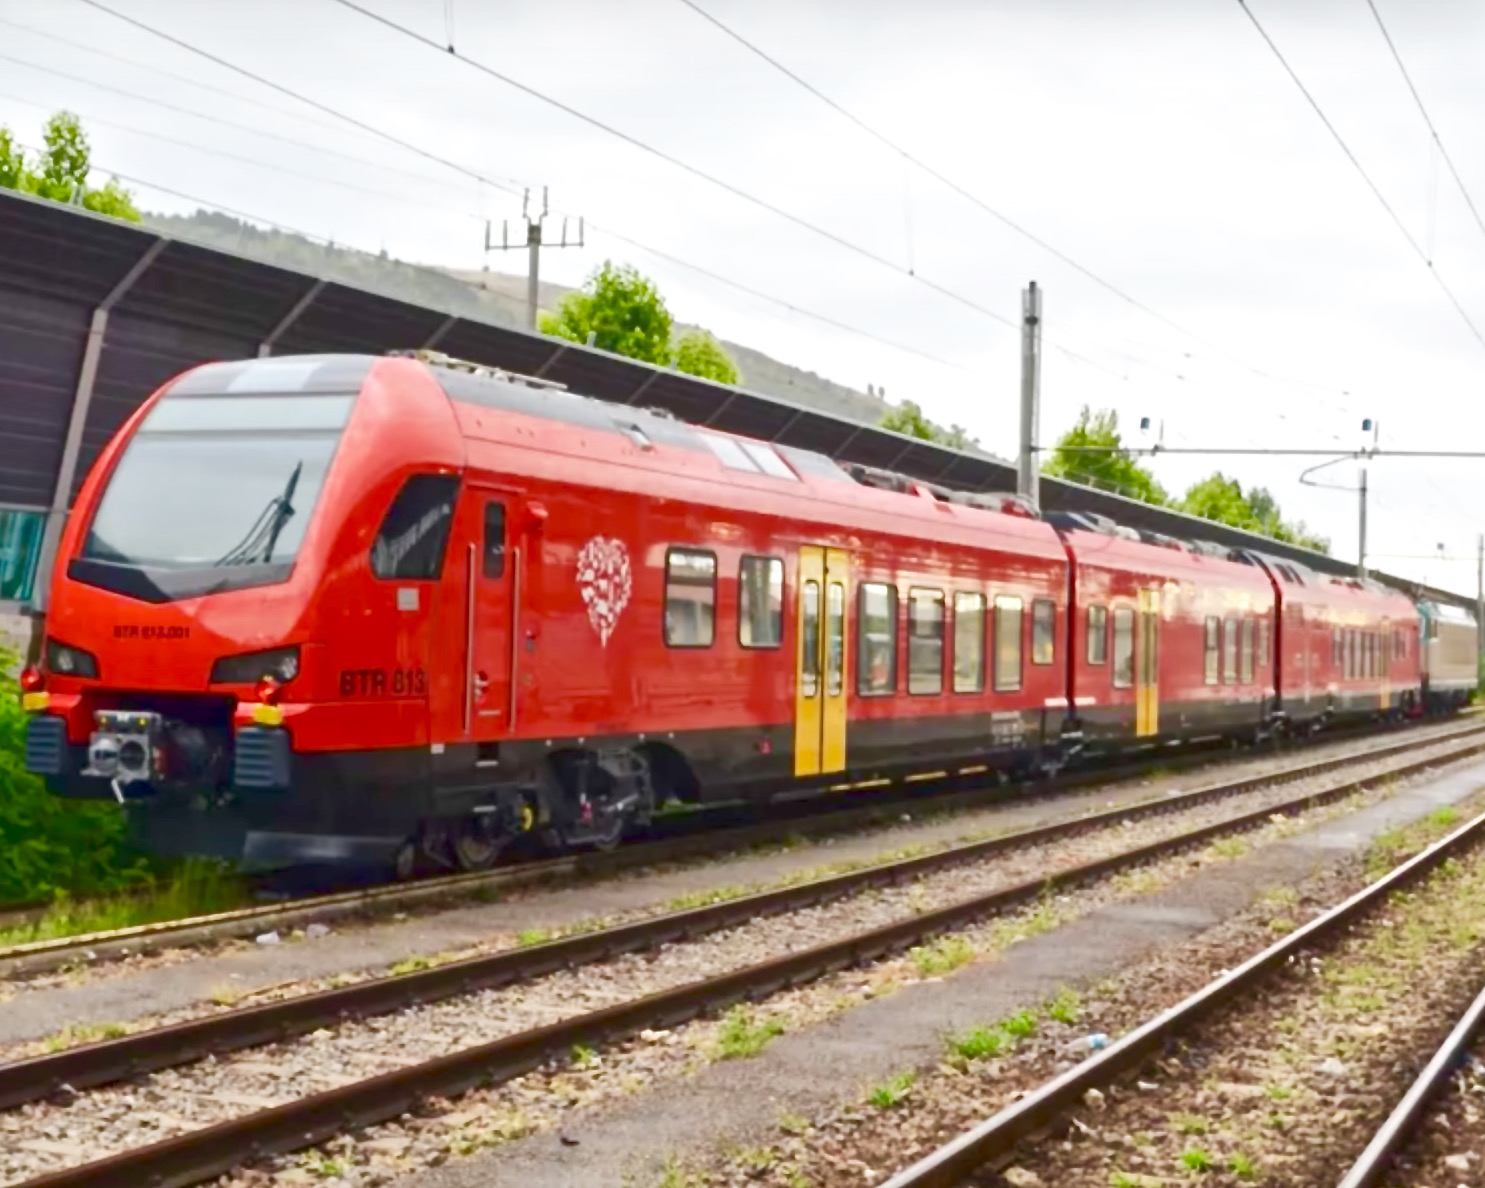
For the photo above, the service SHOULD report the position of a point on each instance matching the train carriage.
(1171, 641)
(1349, 647)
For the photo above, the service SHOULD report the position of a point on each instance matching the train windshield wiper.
(262, 537)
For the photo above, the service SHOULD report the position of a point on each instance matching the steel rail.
(996, 1137)
(108, 1061)
(1375, 1161)
(199, 1155)
(33, 957)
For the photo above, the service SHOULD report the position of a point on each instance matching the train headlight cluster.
(65, 660)
(280, 664)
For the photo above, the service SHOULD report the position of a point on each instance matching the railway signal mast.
(534, 243)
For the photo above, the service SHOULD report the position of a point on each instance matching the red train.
(350, 608)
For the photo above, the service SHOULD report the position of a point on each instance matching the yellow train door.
(820, 661)
(1147, 667)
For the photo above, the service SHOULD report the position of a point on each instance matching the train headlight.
(282, 664)
(65, 660)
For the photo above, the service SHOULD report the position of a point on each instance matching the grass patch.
(1197, 1160)
(983, 1043)
(410, 965)
(74, 1035)
(892, 1093)
(1242, 1167)
(742, 1035)
(1066, 1007)
(584, 1057)
(533, 936)
(943, 956)
(195, 888)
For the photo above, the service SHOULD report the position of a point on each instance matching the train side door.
(820, 661)
(1147, 666)
(490, 571)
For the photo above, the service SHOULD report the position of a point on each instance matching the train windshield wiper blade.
(267, 527)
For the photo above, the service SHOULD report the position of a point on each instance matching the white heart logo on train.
(604, 579)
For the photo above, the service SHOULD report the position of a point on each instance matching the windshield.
(218, 483)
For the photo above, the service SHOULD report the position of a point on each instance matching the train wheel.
(475, 847)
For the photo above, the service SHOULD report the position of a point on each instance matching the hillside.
(488, 296)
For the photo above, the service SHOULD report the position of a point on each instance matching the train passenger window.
(809, 640)
(494, 563)
(1246, 675)
(1123, 647)
(1229, 651)
(1262, 643)
(1043, 631)
(1007, 643)
(835, 639)
(760, 602)
(690, 598)
(1337, 648)
(925, 641)
(414, 534)
(876, 640)
(1212, 661)
(1098, 635)
(1351, 668)
(969, 643)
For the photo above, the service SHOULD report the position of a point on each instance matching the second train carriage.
(354, 608)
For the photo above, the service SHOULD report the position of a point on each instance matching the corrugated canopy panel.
(194, 304)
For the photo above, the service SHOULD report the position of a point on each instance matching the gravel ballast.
(817, 1080)
(174, 1101)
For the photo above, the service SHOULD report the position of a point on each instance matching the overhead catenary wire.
(974, 199)
(1427, 119)
(157, 72)
(674, 161)
(506, 184)
(509, 186)
(1361, 169)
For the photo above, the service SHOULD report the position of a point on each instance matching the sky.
(1209, 256)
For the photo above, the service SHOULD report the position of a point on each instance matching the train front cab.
(223, 654)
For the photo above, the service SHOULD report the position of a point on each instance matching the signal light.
(268, 689)
(32, 679)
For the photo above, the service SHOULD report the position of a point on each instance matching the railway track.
(1403, 1129)
(212, 1149)
(1228, 1035)
(695, 836)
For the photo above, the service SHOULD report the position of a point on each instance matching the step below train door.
(820, 661)
(1147, 666)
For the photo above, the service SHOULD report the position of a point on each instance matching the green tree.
(622, 311)
(698, 353)
(908, 418)
(1107, 464)
(1220, 498)
(60, 173)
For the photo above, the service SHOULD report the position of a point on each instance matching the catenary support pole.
(535, 241)
(1361, 550)
(1480, 598)
(1027, 485)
